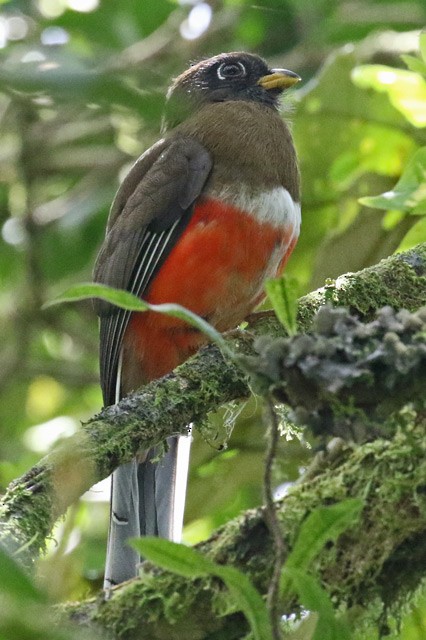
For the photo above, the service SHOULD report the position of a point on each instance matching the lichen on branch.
(345, 377)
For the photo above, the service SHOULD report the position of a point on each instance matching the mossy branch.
(381, 558)
(33, 503)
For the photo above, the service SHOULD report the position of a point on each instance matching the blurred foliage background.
(82, 84)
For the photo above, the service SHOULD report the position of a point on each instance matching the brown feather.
(250, 143)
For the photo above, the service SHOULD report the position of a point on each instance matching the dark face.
(228, 76)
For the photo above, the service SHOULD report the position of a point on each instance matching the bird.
(203, 218)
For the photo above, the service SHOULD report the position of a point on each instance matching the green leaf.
(89, 290)
(314, 598)
(130, 302)
(414, 236)
(189, 563)
(422, 44)
(248, 599)
(15, 581)
(406, 90)
(413, 623)
(174, 557)
(283, 294)
(409, 194)
(414, 64)
(322, 525)
(310, 592)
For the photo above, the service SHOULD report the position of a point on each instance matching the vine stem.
(272, 521)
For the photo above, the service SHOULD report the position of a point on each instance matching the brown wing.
(149, 213)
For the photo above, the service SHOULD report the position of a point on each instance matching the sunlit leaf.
(413, 625)
(409, 193)
(422, 44)
(414, 64)
(392, 218)
(414, 236)
(283, 294)
(406, 89)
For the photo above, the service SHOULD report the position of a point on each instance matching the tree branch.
(32, 503)
(382, 557)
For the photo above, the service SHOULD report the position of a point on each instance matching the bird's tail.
(147, 499)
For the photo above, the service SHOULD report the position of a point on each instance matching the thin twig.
(272, 520)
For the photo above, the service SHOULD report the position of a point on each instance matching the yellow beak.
(279, 79)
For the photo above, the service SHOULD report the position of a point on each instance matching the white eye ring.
(221, 71)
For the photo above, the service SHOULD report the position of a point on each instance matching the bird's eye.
(231, 70)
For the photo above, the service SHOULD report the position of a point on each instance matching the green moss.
(168, 607)
(26, 515)
(386, 474)
(374, 562)
(398, 281)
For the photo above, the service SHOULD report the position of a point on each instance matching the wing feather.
(149, 213)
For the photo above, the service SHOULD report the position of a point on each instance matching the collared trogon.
(203, 218)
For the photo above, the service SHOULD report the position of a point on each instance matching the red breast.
(217, 270)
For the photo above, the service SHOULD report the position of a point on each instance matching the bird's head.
(225, 77)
